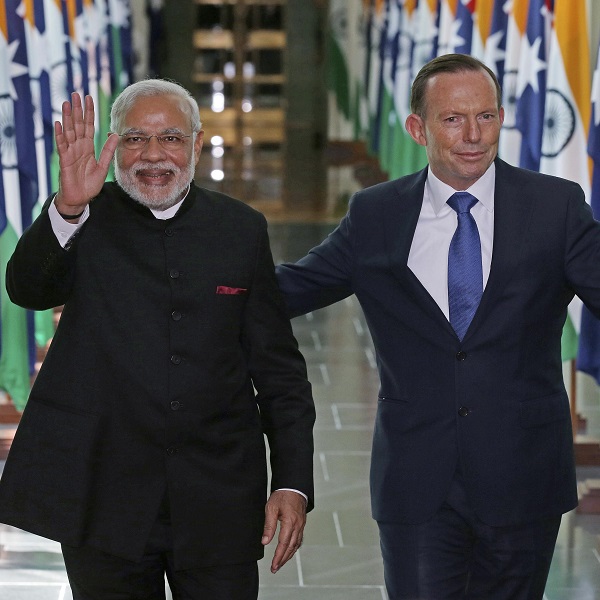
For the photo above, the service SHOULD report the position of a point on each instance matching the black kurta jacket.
(172, 358)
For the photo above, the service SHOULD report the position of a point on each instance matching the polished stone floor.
(340, 557)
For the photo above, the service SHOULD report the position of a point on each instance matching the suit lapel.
(512, 215)
(400, 217)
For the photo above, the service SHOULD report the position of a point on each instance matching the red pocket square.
(223, 289)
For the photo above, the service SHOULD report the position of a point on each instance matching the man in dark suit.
(472, 462)
(142, 445)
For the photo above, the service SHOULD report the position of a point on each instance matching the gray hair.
(152, 87)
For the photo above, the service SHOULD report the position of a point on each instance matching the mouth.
(471, 157)
(155, 176)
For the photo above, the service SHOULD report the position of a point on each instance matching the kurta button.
(175, 405)
(173, 273)
(461, 355)
(176, 315)
(463, 411)
(168, 231)
(175, 359)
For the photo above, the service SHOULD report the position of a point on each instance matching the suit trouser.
(455, 556)
(95, 575)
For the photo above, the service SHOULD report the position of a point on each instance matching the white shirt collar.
(482, 189)
(171, 211)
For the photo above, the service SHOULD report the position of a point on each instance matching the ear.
(198, 145)
(501, 115)
(416, 128)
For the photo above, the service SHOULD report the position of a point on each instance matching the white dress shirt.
(428, 256)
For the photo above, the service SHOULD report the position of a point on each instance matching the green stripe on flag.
(568, 341)
(337, 76)
(103, 127)
(14, 361)
(408, 156)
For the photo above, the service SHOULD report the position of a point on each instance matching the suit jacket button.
(175, 405)
(463, 411)
(176, 315)
(171, 451)
(173, 273)
(175, 359)
(461, 355)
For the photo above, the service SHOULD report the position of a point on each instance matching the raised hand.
(81, 175)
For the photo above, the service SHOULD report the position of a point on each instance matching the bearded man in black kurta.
(142, 446)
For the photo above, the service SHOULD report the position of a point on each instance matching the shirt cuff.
(63, 230)
(293, 490)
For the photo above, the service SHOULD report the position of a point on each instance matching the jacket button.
(175, 359)
(463, 411)
(168, 232)
(175, 405)
(461, 355)
(171, 451)
(173, 273)
(176, 315)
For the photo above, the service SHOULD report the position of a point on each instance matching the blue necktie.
(465, 277)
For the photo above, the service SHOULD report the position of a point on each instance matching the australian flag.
(532, 84)
(495, 45)
(464, 16)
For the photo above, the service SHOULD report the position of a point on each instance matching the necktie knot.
(462, 202)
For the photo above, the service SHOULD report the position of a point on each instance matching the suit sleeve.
(323, 276)
(582, 255)
(279, 376)
(39, 275)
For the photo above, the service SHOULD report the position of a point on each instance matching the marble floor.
(340, 557)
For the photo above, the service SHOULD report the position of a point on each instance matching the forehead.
(158, 113)
(461, 90)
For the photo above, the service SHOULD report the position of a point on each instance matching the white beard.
(155, 197)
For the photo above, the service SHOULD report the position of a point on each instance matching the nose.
(153, 150)
(472, 131)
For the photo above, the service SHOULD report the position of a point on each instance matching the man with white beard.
(141, 448)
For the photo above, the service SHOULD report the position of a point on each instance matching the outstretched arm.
(81, 175)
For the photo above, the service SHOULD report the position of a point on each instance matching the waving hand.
(81, 175)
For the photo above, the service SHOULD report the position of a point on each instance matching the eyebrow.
(166, 131)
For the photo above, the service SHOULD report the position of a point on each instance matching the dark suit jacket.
(494, 404)
(148, 387)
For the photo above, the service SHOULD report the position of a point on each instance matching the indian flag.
(567, 117)
(338, 72)
(14, 347)
(418, 36)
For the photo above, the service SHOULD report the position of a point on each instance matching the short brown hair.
(447, 63)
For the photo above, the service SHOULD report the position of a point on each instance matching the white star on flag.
(456, 41)
(493, 53)
(37, 55)
(15, 69)
(530, 65)
(119, 13)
